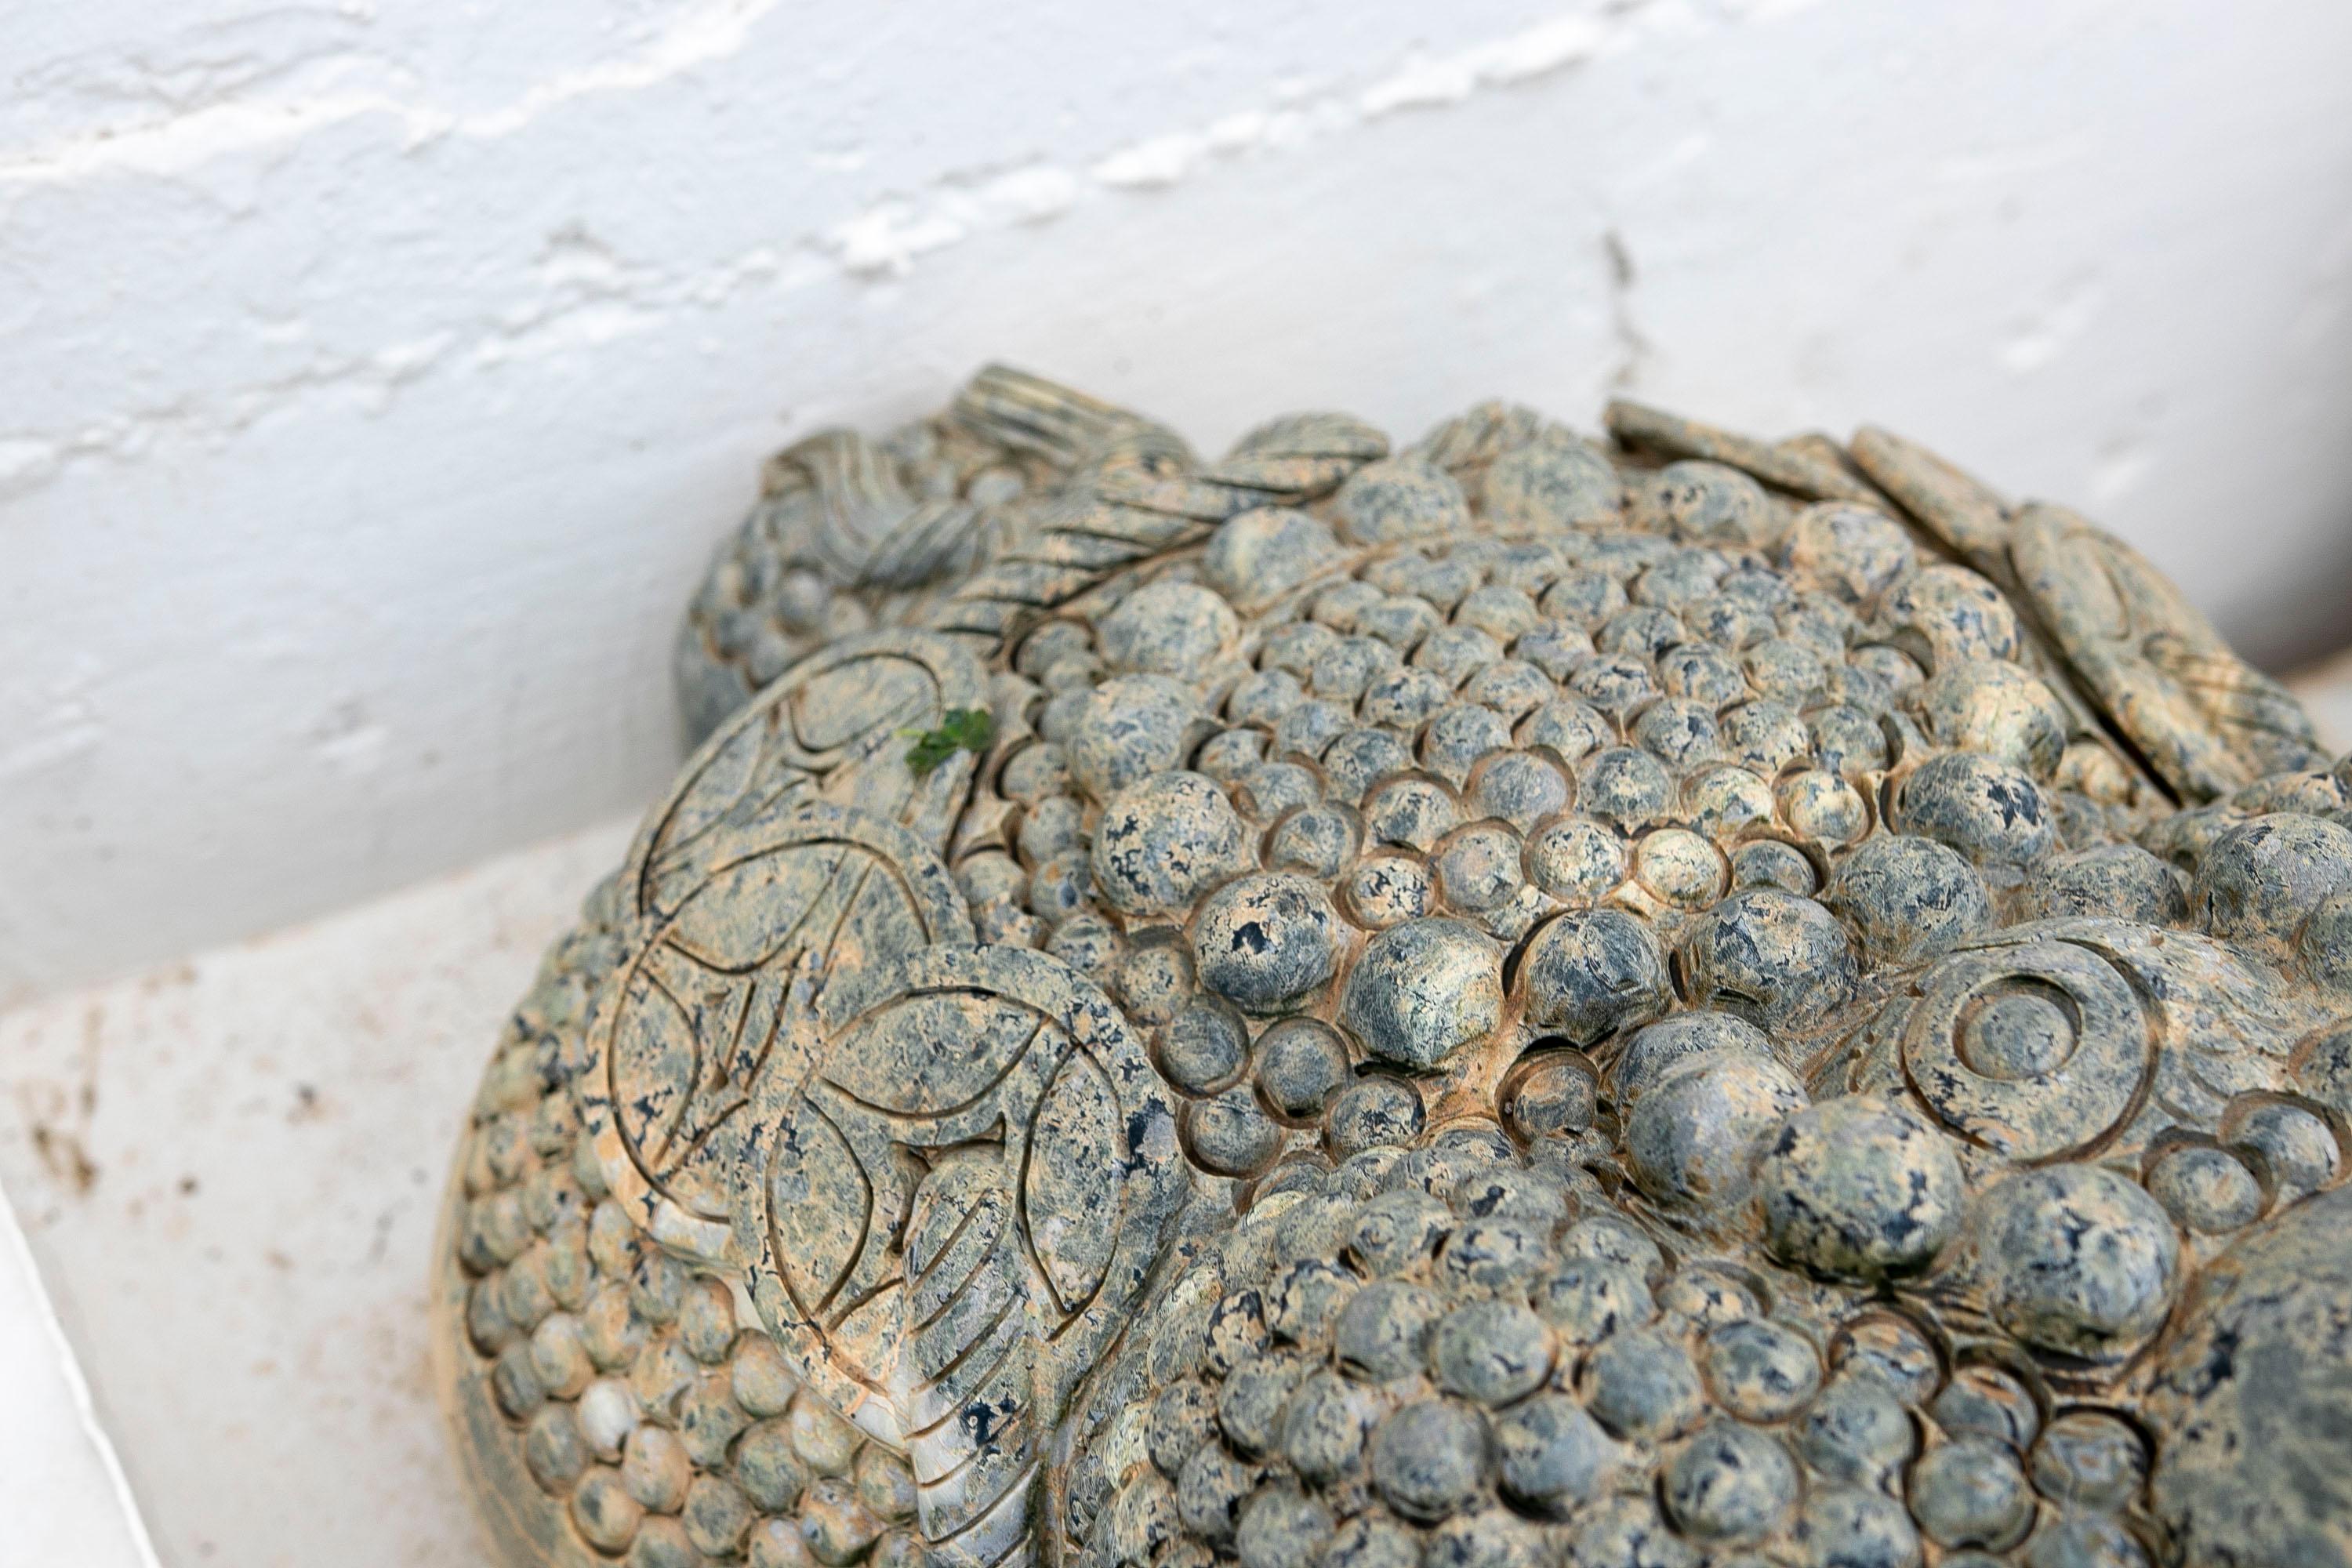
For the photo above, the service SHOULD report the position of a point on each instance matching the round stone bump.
(1848, 1527)
(1730, 1483)
(1401, 498)
(1266, 941)
(1387, 890)
(2324, 945)
(1429, 1459)
(1771, 863)
(1230, 1135)
(1373, 1539)
(2016, 1035)
(1990, 1401)
(1423, 990)
(2263, 876)
(1378, 1110)
(1491, 1352)
(1551, 1095)
(1203, 1048)
(604, 1512)
(1992, 706)
(1676, 1045)
(1859, 1187)
(1587, 975)
(1855, 551)
(1577, 859)
(2080, 1260)
(1383, 1333)
(1681, 868)
(1281, 1527)
(1127, 730)
(2294, 1145)
(1694, 1138)
(2085, 1541)
(1251, 1400)
(1761, 1370)
(1477, 867)
(1266, 551)
(1639, 1382)
(2119, 881)
(2091, 1459)
(1551, 1454)
(1628, 1531)
(1629, 787)
(1301, 1064)
(1989, 810)
(1775, 958)
(1970, 1492)
(1706, 503)
(1325, 1428)
(2207, 1190)
(1169, 629)
(1521, 788)
(1161, 840)
(1821, 808)
(1952, 614)
(1857, 1433)
(1590, 1298)
(1554, 484)
(1910, 899)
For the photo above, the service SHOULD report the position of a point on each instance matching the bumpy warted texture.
(1651, 999)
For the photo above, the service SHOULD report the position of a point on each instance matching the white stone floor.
(227, 1170)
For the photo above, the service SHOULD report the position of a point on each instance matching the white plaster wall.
(377, 376)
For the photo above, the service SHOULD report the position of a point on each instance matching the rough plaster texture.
(381, 377)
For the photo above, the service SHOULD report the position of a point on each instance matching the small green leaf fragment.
(960, 729)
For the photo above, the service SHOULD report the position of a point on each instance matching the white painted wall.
(377, 377)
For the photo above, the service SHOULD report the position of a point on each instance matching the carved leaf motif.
(2206, 721)
(1020, 1159)
(825, 1208)
(719, 994)
(1957, 508)
(825, 730)
(1795, 470)
(1066, 1202)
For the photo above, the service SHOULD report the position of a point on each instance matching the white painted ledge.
(228, 1171)
(61, 1489)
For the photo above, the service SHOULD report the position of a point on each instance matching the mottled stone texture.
(1660, 999)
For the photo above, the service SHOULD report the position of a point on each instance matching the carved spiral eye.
(2034, 1051)
(2019, 1030)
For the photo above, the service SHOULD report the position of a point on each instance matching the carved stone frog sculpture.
(1654, 999)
